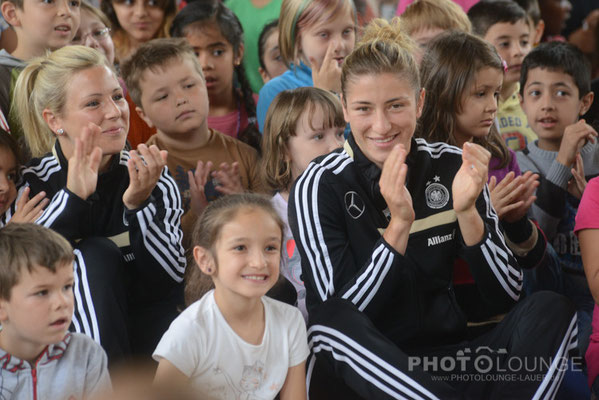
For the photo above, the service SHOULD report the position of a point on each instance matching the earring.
(60, 132)
(209, 269)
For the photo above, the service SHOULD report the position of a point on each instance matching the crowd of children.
(273, 199)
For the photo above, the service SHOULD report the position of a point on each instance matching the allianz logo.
(435, 240)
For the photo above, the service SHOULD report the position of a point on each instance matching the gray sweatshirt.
(555, 208)
(74, 368)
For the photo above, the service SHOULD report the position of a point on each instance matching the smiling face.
(141, 19)
(382, 111)
(174, 98)
(8, 178)
(551, 102)
(38, 312)
(315, 39)
(93, 95)
(479, 105)
(246, 256)
(217, 58)
(48, 24)
(312, 139)
(513, 43)
(93, 33)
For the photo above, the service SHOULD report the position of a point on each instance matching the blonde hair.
(297, 15)
(208, 228)
(281, 121)
(43, 84)
(96, 12)
(384, 48)
(442, 14)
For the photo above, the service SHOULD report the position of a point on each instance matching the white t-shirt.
(291, 262)
(221, 365)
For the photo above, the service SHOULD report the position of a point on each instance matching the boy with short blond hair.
(39, 26)
(423, 20)
(166, 83)
(40, 359)
(505, 25)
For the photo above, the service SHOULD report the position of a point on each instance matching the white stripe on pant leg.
(94, 332)
(311, 362)
(84, 326)
(369, 376)
(558, 356)
(557, 380)
(369, 360)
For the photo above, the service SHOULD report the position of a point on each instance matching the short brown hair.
(442, 14)
(29, 246)
(281, 121)
(155, 55)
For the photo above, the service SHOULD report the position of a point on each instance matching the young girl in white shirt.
(235, 341)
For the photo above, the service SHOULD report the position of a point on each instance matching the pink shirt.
(588, 218)
(465, 4)
(233, 123)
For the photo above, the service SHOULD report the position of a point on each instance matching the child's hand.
(505, 194)
(471, 177)
(197, 181)
(578, 183)
(327, 76)
(29, 210)
(143, 174)
(82, 176)
(393, 188)
(512, 197)
(229, 180)
(575, 137)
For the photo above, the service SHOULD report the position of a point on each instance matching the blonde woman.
(121, 210)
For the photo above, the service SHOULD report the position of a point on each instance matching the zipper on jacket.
(34, 376)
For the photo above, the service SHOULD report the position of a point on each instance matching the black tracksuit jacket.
(337, 215)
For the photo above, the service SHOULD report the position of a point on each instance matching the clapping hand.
(197, 180)
(28, 210)
(513, 196)
(471, 178)
(228, 178)
(578, 182)
(145, 167)
(575, 137)
(82, 176)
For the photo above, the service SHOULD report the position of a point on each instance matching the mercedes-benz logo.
(354, 205)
